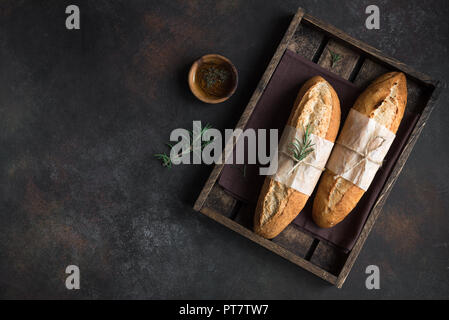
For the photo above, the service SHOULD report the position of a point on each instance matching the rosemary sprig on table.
(300, 150)
(165, 158)
(335, 57)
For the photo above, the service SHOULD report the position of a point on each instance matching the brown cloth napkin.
(273, 110)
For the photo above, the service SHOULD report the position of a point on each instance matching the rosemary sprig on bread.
(300, 150)
(279, 202)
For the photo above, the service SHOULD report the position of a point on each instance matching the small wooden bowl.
(196, 88)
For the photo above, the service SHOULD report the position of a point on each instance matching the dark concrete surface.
(82, 113)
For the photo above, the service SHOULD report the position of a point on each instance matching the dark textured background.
(82, 112)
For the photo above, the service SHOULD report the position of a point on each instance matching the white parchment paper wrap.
(368, 138)
(305, 177)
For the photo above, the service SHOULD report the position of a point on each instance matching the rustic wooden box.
(361, 63)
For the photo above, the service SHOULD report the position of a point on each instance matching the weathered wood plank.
(220, 201)
(291, 238)
(270, 245)
(306, 41)
(417, 96)
(329, 258)
(245, 216)
(369, 71)
(346, 63)
(368, 50)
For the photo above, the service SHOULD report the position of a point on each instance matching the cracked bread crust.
(317, 104)
(383, 101)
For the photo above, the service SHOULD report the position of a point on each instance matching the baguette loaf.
(383, 101)
(317, 105)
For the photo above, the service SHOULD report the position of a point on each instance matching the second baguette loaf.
(383, 101)
(317, 105)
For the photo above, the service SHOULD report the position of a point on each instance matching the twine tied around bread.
(300, 150)
(298, 163)
(370, 148)
(301, 158)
